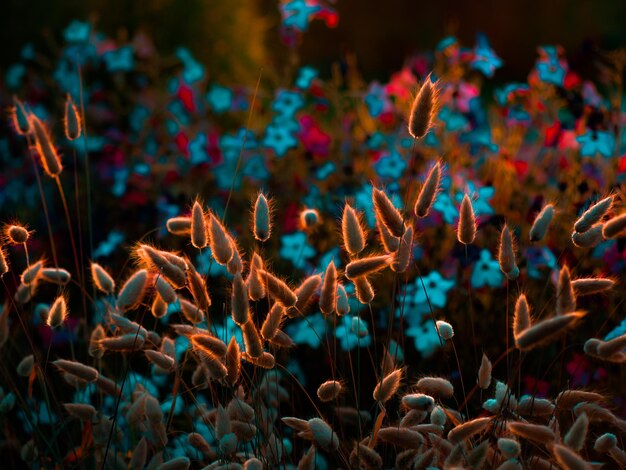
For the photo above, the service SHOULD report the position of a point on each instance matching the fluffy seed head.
(179, 225)
(466, 229)
(329, 390)
(402, 257)
(435, 386)
(4, 264)
(164, 289)
(546, 330)
(363, 289)
(541, 223)
(72, 120)
(343, 303)
(220, 243)
(521, 315)
(565, 296)
(256, 287)
(428, 192)
(305, 293)
(352, 230)
(615, 227)
(386, 212)
(16, 234)
(510, 448)
(309, 218)
(94, 349)
(58, 276)
(532, 432)
(418, 401)
(577, 434)
(198, 289)
(251, 339)
(19, 117)
(445, 329)
(239, 301)
(591, 285)
(506, 252)
(328, 292)
(77, 369)
(58, 312)
(48, 156)
(388, 386)
(467, 430)
(208, 344)
(424, 109)
(323, 434)
(198, 226)
(589, 238)
(278, 289)
(132, 292)
(25, 366)
(605, 442)
(191, 312)
(232, 361)
(593, 215)
(366, 266)
(484, 373)
(273, 321)
(31, 274)
(390, 242)
(261, 218)
(402, 437)
(567, 458)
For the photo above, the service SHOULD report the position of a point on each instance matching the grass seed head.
(424, 109)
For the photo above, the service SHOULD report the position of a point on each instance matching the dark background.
(381, 33)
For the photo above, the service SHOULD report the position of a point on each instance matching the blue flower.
(390, 165)
(310, 330)
(67, 78)
(550, 68)
(485, 59)
(425, 337)
(480, 198)
(119, 60)
(504, 94)
(297, 14)
(77, 31)
(14, 75)
(446, 42)
(193, 70)
(325, 171)
(593, 142)
(486, 271)
(306, 75)
(255, 168)
(138, 117)
(109, 245)
(198, 149)
(279, 138)
(445, 206)
(296, 249)
(220, 98)
(351, 333)
(537, 258)
(375, 99)
(287, 103)
(453, 120)
(230, 145)
(436, 292)
(480, 137)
